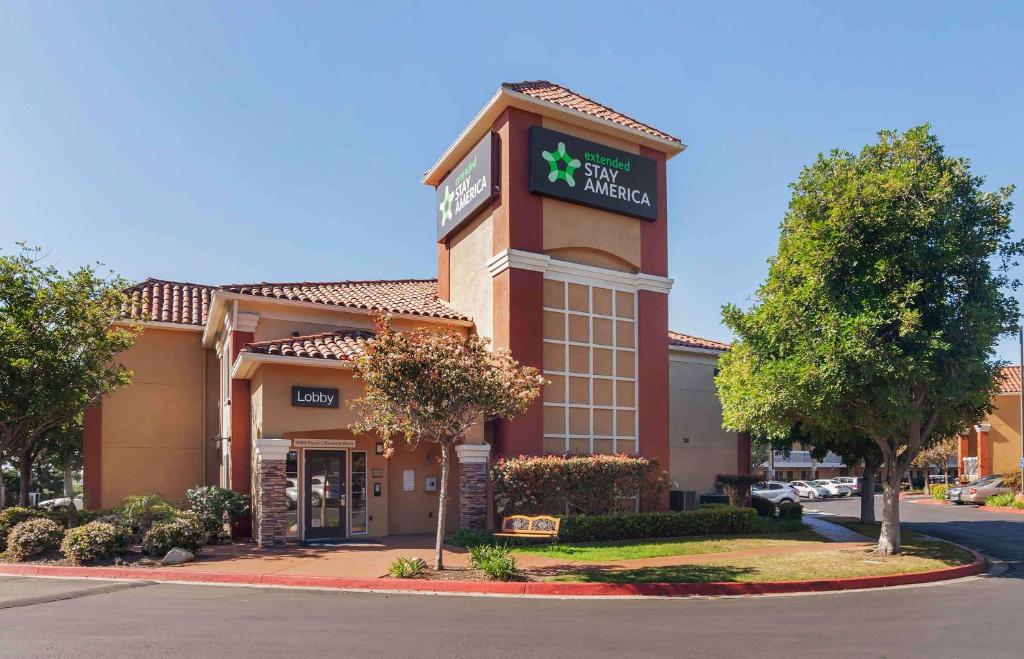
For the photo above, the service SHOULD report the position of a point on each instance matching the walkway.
(834, 532)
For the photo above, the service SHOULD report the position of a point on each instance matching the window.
(358, 508)
(590, 359)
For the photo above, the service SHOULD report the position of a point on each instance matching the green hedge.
(722, 520)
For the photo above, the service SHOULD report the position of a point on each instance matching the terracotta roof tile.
(1009, 380)
(417, 297)
(687, 341)
(163, 301)
(342, 345)
(552, 93)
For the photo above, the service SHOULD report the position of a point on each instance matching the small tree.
(58, 341)
(882, 309)
(433, 386)
(938, 455)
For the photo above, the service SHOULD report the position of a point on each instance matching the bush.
(471, 538)
(938, 492)
(585, 484)
(141, 512)
(719, 520)
(1000, 499)
(791, 510)
(185, 531)
(736, 487)
(33, 537)
(407, 568)
(764, 507)
(215, 507)
(11, 517)
(93, 541)
(496, 561)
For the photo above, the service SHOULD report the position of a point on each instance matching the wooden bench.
(524, 526)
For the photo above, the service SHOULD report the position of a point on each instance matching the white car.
(775, 491)
(834, 489)
(853, 482)
(807, 490)
(62, 502)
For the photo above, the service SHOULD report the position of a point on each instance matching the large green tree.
(58, 341)
(882, 308)
(433, 386)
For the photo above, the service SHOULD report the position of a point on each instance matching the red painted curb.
(1001, 509)
(930, 502)
(558, 589)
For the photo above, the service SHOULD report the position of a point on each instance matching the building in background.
(994, 446)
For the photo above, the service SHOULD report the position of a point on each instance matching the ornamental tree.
(938, 455)
(882, 308)
(58, 341)
(433, 386)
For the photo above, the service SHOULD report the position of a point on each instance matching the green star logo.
(554, 160)
(446, 205)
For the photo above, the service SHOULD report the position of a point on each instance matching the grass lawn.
(601, 552)
(919, 554)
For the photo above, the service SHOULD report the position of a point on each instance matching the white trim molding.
(267, 448)
(245, 322)
(569, 271)
(473, 453)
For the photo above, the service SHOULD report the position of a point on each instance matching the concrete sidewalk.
(834, 532)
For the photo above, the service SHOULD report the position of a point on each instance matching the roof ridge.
(157, 280)
(512, 86)
(343, 282)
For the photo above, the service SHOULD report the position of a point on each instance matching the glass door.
(324, 492)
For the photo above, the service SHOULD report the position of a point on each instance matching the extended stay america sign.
(470, 186)
(592, 174)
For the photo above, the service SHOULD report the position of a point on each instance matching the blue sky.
(220, 142)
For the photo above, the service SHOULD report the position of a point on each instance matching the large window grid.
(612, 425)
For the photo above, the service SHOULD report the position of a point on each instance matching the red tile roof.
(552, 93)
(342, 345)
(157, 300)
(416, 297)
(687, 341)
(1009, 380)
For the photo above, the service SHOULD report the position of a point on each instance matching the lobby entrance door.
(324, 490)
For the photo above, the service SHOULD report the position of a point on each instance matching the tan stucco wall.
(471, 290)
(696, 413)
(153, 430)
(1005, 434)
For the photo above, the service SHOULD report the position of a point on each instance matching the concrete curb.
(525, 588)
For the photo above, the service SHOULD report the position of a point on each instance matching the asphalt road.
(974, 617)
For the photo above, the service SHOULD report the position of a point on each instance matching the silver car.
(809, 490)
(775, 491)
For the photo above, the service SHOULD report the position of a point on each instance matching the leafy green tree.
(938, 455)
(433, 386)
(58, 341)
(882, 308)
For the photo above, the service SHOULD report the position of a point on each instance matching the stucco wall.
(154, 436)
(471, 289)
(1005, 434)
(695, 414)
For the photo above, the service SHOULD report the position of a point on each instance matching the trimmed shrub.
(790, 510)
(186, 532)
(471, 538)
(141, 512)
(719, 520)
(1000, 499)
(407, 568)
(93, 541)
(215, 507)
(496, 561)
(583, 484)
(33, 537)
(764, 507)
(11, 517)
(938, 492)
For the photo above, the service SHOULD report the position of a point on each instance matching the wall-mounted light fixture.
(378, 448)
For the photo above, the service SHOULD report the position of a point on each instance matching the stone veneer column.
(473, 485)
(984, 449)
(270, 506)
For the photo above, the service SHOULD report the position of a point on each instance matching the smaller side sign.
(323, 443)
(470, 186)
(314, 397)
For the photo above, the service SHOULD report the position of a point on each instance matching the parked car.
(852, 482)
(61, 502)
(834, 489)
(982, 489)
(806, 489)
(775, 491)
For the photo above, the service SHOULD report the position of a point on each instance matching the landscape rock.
(177, 556)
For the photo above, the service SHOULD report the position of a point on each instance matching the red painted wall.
(92, 456)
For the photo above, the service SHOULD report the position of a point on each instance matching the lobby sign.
(314, 397)
(471, 185)
(323, 443)
(592, 174)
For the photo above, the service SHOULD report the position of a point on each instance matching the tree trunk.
(889, 538)
(867, 493)
(441, 508)
(25, 471)
(69, 492)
